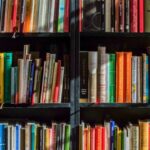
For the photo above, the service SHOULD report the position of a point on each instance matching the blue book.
(112, 128)
(2, 137)
(18, 128)
(31, 82)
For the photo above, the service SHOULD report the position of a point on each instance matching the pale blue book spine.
(134, 79)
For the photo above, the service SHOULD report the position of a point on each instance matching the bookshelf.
(40, 41)
(95, 114)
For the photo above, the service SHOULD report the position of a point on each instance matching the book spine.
(119, 77)
(116, 15)
(16, 86)
(134, 16)
(103, 16)
(80, 15)
(14, 20)
(92, 76)
(127, 15)
(83, 76)
(139, 84)
(141, 16)
(147, 15)
(122, 17)
(112, 127)
(128, 76)
(134, 79)
(66, 16)
(112, 72)
(13, 85)
(57, 84)
(61, 85)
(107, 15)
(112, 15)
(1, 78)
(56, 16)
(61, 16)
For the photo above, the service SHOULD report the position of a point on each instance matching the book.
(146, 16)
(2, 78)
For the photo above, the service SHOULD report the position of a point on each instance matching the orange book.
(98, 138)
(127, 76)
(85, 137)
(92, 138)
(27, 19)
(119, 77)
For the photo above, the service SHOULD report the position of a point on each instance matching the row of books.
(114, 78)
(30, 83)
(34, 15)
(114, 15)
(33, 136)
(111, 137)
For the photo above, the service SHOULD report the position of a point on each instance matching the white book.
(8, 137)
(61, 85)
(92, 76)
(51, 22)
(135, 137)
(107, 141)
(32, 15)
(128, 139)
(102, 78)
(134, 79)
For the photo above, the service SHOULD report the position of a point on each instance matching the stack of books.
(114, 78)
(34, 136)
(111, 136)
(30, 83)
(34, 15)
(114, 15)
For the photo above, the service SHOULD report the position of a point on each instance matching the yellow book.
(47, 143)
(1, 78)
(119, 131)
(144, 135)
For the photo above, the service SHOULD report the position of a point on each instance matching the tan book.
(27, 136)
(144, 135)
(92, 76)
(107, 15)
(21, 81)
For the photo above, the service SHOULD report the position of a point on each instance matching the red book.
(134, 16)
(80, 16)
(92, 139)
(66, 16)
(57, 85)
(103, 138)
(98, 138)
(85, 134)
(141, 15)
(14, 16)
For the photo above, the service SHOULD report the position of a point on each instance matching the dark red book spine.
(66, 16)
(141, 15)
(57, 85)
(134, 16)
(103, 138)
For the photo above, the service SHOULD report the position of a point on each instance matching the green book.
(147, 15)
(7, 77)
(61, 16)
(122, 140)
(111, 77)
(33, 138)
(67, 137)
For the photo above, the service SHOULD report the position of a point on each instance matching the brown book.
(116, 15)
